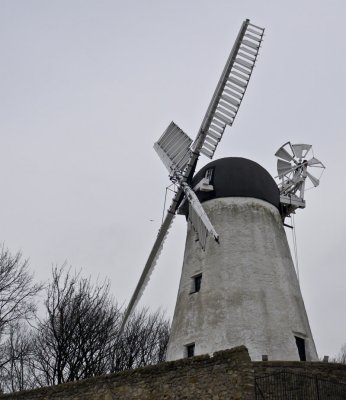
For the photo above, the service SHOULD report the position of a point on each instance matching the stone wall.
(226, 375)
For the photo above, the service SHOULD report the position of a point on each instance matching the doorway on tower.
(300, 342)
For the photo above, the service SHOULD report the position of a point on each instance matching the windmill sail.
(283, 167)
(198, 217)
(149, 267)
(301, 150)
(315, 163)
(198, 226)
(173, 148)
(230, 90)
(314, 180)
(284, 154)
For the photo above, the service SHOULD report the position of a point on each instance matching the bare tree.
(17, 289)
(143, 341)
(74, 340)
(79, 335)
(17, 304)
(15, 373)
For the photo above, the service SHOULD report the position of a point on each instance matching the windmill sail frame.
(180, 155)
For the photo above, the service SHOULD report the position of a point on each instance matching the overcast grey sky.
(87, 87)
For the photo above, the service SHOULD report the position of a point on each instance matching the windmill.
(236, 255)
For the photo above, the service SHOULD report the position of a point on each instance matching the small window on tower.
(196, 283)
(209, 174)
(190, 350)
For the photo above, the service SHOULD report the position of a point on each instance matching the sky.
(87, 87)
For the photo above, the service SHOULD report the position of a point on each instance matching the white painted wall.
(249, 294)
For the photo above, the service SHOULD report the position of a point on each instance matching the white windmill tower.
(238, 283)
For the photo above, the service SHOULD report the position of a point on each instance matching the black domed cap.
(238, 177)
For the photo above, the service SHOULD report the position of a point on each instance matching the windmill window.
(209, 174)
(196, 283)
(300, 342)
(190, 350)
